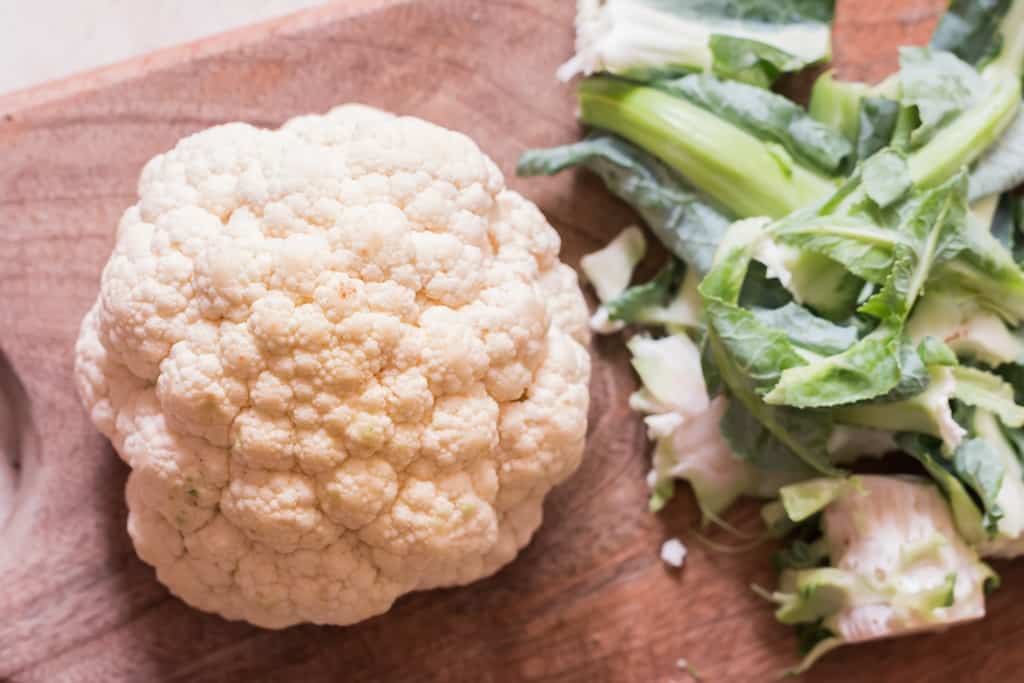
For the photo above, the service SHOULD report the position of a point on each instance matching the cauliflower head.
(342, 360)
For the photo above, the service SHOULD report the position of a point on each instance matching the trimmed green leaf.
(868, 369)
(971, 329)
(751, 442)
(986, 269)
(807, 498)
(686, 224)
(914, 375)
(750, 61)
(807, 330)
(966, 513)
(979, 466)
(632, 304)
(876, 124)
(853, 241)
(803, 432)
(760, 353)
(927, 412)
(934, 351)
(934, 229)
(871, 367)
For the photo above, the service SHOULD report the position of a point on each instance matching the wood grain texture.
(588, 600)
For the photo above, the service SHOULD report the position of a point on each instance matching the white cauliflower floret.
(341, 359)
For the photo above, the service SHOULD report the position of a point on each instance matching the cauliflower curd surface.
(342, 360)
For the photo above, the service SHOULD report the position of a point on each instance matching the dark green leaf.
(751, 442)
(979, 468)
(876, 124)
(1004, 222)
(810, 634)
(712, 378)
(632, 303)
(760, 11)
(749, 356)
(978, 465)
(766, 115)
(759, 290)
(1014, 374)
(886, 177)
(749, 61)
(806, 329)
(801, 555)
(970, 29)
(686, 224)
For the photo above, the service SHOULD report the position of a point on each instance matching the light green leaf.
(933, 351)
(807, 330)
(985, 390)
(868, 369)
(858, 244)
(811, 497)
(927, 413)
(939, 85)
(886, 177)
(871, 367)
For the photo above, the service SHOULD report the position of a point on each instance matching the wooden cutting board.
(588, 600)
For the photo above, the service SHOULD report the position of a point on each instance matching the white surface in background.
(41, 40)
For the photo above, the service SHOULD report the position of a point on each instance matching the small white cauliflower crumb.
(673, 552)
(343, 361)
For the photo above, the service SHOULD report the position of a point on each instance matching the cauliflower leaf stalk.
(343, 362)
(887, 561)
(749, 40)
(695, 435)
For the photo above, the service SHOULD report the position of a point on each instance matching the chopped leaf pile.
(841, 282)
